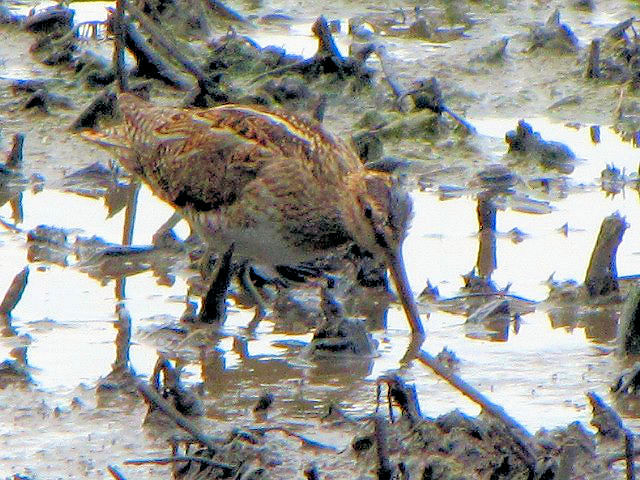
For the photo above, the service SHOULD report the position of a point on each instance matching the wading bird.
(272, 187)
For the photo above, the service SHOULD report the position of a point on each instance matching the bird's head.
(380, 219)
(384, 212)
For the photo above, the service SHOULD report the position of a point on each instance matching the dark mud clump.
(524, 143)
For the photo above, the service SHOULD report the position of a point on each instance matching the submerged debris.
(525, 144)
(426, 94)
(605, 419)
(14, 158)
(602, 274)
(48, 244)
(339, 335)
(14, 293)
(43, 101)
(613, 180)
(496, 178)
(53, 19)
(329, 60)
(628, 383)
(14, 374)
(554, 35)
(616, 56)
(495, 52)
(166, 381)
(495, 312)
(629, 331)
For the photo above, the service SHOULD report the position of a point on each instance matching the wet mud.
(514, 127)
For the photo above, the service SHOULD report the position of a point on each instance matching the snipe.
(277, 187)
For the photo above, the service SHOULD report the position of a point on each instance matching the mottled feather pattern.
(278, 187)
(293, 137)
(288, 172)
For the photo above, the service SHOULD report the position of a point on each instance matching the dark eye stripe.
(381, 239)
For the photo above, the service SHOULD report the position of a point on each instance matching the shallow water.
(540, 374)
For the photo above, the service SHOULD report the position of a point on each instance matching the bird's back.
(204, 156)
(250, 164)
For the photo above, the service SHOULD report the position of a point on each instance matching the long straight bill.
(399, 275)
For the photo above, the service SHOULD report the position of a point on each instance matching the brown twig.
(180, 458)
(119, 46)
(385, 470)
(628, 453)
(390, 77)
(152, 396)
(10, 226)
(306, 441)
(14, 292)
(622, 456)
(115, 473)
(519, 434)
(227, 12)
(161, 39)
(14, 159)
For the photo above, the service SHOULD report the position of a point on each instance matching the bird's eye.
(368, 212)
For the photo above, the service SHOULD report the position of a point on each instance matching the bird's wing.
(113, 138)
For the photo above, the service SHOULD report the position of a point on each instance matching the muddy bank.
(534, 349)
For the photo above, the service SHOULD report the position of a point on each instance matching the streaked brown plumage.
(279, 187)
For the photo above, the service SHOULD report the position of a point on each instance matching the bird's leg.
(261, 306)
(332, 310)
(214, 302)
(165, 230)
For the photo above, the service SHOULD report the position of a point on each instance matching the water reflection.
(486, 262)
(71, 319)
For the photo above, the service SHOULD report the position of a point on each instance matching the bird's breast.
(267, 240)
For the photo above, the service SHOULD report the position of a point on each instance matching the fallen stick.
(306, 441)
(181, 458)
(385, 470)
(119, 46)
(190, 427)
(391, 79)
(149, 64)
(519, 434)
(226, 12)
(628, 453)
(14, 292)
(115, 473)
(161, 39)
